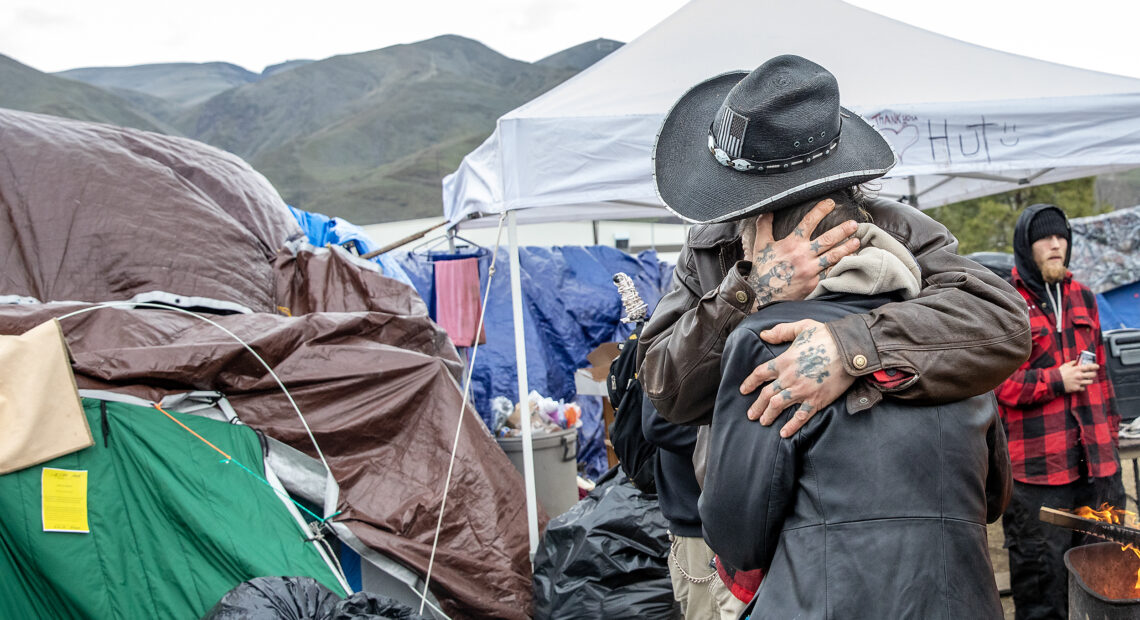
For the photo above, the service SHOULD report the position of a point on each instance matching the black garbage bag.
(303, 598)
(365, 605)
(288, 598)
(606, 557)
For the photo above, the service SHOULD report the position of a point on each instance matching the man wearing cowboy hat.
(742, 145)
(736, 148)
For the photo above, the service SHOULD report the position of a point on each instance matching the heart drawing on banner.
(901, 139)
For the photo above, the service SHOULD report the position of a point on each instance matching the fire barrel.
(1102, 582)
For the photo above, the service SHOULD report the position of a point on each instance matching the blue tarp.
(570, 307)
(1119, 307)
(323, 230)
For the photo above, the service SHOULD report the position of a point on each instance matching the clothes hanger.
(450, 237)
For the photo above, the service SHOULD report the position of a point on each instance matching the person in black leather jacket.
(876, 515)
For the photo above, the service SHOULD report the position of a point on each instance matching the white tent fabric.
(965, 120)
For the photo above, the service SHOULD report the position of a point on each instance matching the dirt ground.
(1000, 558)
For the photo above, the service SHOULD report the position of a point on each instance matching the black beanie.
(1048, 222)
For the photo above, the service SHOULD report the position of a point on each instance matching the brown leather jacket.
(965, 332)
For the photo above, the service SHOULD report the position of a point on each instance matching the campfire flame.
(1116, 516)
(1107, 514)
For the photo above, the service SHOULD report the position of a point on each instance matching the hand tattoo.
(804, 336)
(816, 246)
(770, 283)
(813, 360)
(764, 255)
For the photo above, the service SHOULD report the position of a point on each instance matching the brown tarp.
(374, 376)
(96, 212)
(384, 416)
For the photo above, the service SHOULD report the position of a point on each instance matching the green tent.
(172, 526)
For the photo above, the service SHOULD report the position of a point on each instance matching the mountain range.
(367, 137)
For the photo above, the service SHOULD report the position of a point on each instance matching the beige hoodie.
(881, 265)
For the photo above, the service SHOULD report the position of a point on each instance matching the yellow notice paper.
(65, 500)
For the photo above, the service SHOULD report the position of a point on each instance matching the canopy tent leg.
(524, 402)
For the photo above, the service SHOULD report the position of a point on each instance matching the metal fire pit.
(1102, 580)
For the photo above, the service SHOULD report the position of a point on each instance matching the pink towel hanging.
(457, 303)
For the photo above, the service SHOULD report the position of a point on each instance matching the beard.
(1052, 272)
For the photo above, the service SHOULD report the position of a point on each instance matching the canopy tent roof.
(965, 120)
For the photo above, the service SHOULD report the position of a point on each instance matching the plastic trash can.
(555, 467)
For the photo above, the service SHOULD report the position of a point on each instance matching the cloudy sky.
(53, 35)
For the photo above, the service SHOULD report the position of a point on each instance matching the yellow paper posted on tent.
(65, 500)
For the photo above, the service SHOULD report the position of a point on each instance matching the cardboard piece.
(601, 358)
(40, 411)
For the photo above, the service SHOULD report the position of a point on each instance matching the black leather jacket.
(877, 515)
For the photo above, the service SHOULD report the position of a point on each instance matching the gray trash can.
(555, 467)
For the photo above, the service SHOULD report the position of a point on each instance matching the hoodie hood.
(1027, 269)
(882, 265)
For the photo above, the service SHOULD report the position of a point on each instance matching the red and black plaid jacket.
(1050, 431)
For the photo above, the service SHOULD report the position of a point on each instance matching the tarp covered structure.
(1106, 249)
(964, 120)
(570, 307)
(178, 526)
(1106, 258)
(201, 226)
(375, 378)
(383, 414)
(322, 230)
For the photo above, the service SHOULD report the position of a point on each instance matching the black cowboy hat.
(740, 144)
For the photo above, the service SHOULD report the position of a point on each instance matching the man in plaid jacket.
(1059, 414)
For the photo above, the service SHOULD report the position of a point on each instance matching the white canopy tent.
(964, 120)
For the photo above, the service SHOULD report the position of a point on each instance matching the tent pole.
(524, 402)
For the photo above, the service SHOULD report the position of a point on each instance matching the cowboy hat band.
(744, 143)
(772, 166)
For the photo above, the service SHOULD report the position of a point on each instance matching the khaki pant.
(696, 586)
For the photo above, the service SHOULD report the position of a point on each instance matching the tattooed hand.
(790, 268)
(809, 374)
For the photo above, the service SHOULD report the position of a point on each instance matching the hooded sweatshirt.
(1056, 437)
